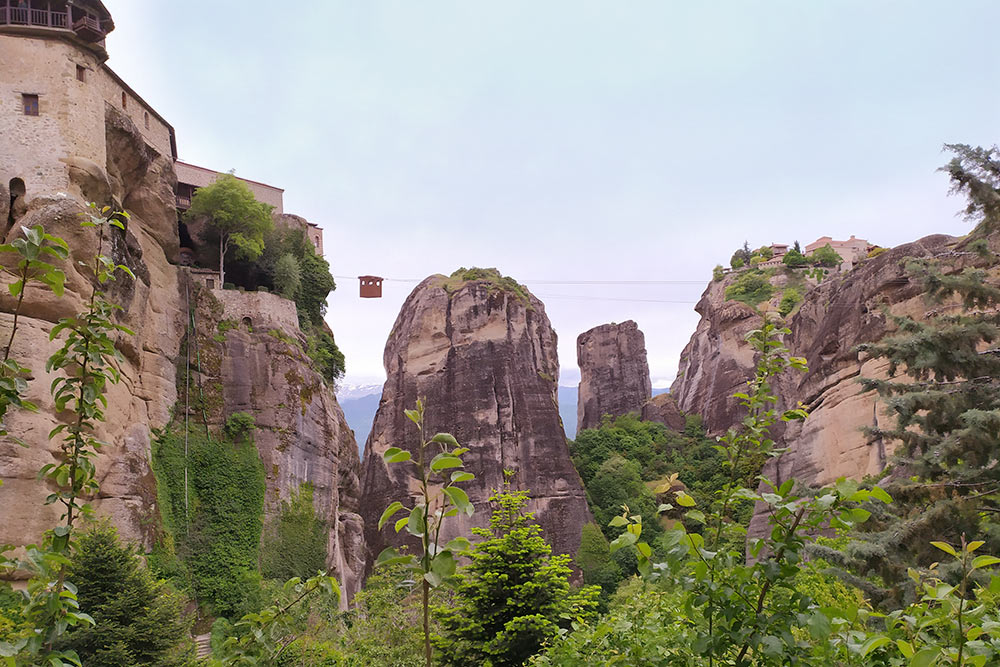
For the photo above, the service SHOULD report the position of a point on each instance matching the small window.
(124, 101)
(209, 283)
(145, 118)
(81, 73)
(30, 103)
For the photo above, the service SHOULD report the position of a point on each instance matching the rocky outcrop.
(482, 355)
(614, 373)
(836, 316)
(302, 434)
(663, 408)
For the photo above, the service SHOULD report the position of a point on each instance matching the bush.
(295, 542)
(326, 356)
(794, 259)
(239, 426)
(755, 260)
(737, 263)
(789, 300)
(751, 288)
(316, 284)
(287, 276)
(228, 286)
(876, 251)
(718, 273)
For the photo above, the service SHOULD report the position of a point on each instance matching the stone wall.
(201, 177)
(70, 125)
(265, 310)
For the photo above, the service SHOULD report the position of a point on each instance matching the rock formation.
(302, 434)
(482, 355)
(836, 316)
(663, 408)
(614, 373)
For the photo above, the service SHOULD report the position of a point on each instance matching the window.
(30, 104)
(124, 101)
(145, 118)
(81, 73)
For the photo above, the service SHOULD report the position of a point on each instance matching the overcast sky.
(572, 140)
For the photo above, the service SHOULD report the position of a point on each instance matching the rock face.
(836, 316)
(302, 433)
(614, 373)
(482, 355)
(663, 408)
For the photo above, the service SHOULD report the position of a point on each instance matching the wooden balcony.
(183, 202)
(86, 27)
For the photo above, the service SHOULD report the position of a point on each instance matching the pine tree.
(513, 596)
(945, 478)
(138, 621)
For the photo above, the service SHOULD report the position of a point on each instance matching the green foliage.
(383, 624)
(975, 173)
(741, 257)
(240, 426)
(438, 498)
(875, 252)
(595, 561)
(737, 263)
(327, 358)
(214, 528)
(138, 621)
(718, 273)
(514, 595)
(947, 420)
(751, 287)
(826, 256)
(236, 219)
(295, 542)
(287, 276)
(794, 259)
(315, 285)
(492, 277)
(263, 637)
(789, 300)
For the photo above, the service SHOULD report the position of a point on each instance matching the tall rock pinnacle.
(614, 374)
(480, 352)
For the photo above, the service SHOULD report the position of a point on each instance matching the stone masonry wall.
(265, 310)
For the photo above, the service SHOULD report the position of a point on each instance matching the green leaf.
(684, 500)
(880, 494)
(925, 657)
(618, 521)
(389, 511)
(984, 561)
(401, 522)
(390, 556)
(413, 416)
(461, 476)
(445, 461)
(445, 438)
(696, 515)
(415, 524)
(905, 648)
(460, 499)
(396, 455)
(874, 643)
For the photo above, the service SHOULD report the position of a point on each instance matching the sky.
(572, 140)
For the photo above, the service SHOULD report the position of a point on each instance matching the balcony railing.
(87, 27)
(183, 202)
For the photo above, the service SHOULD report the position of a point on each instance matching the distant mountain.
(360, 402)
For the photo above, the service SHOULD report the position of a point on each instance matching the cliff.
(481, 353)
(302, 434)
(836, 315)
(614, 373)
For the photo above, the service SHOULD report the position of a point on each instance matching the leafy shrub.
(737, 263)
(240, 425)
(795, 259)
(718, 273)
(876, 251)
(789, 300)
(295, 542)
(315, 285)
(287, 276)
(755, 260)
(326, 356)
(751, 287)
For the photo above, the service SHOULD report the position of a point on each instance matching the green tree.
(826, 256)
(513, 596)
(295, 542)
(794, 259)
(287, 276)
(946, 408)
(315, 285)
(235, 217)
(595, 561)
(718, 273)
(325, 354)
(138, 621)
